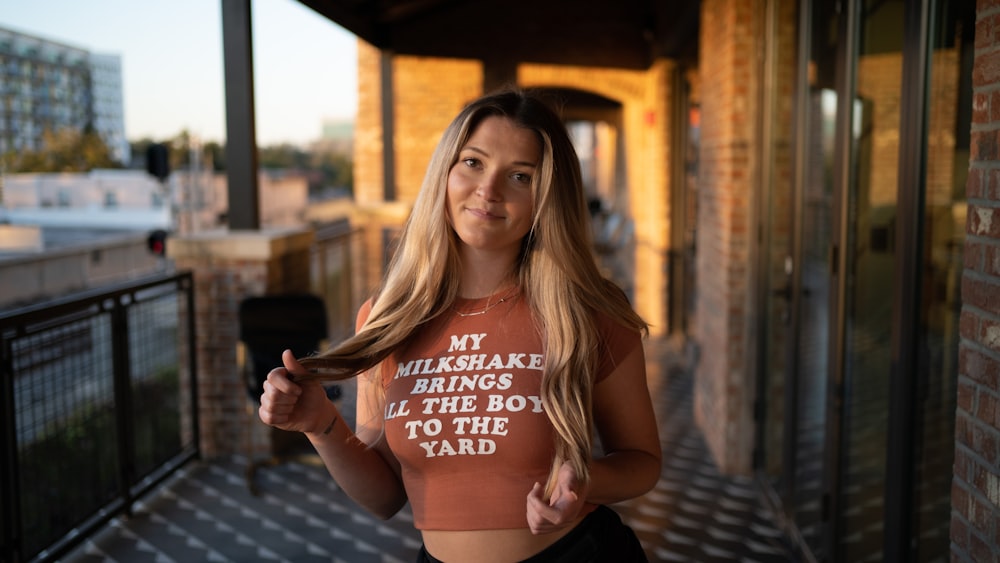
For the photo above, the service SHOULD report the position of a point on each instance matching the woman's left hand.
(562, 508)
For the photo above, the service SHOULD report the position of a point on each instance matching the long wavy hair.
(556, 272)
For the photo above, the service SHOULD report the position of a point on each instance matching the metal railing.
(98, 406)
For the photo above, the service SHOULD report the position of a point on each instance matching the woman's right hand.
(292, 406)
(367, 473)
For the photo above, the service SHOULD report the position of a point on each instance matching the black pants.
(601, 537)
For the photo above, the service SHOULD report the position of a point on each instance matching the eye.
(521, 177)
(470, 162)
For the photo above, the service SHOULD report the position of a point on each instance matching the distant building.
(108, 103)
(337, 130)
(46, 85)
(337, 135)
(64, 232)
(101, 199)
(132, 200)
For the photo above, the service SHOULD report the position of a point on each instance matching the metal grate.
(92, 409)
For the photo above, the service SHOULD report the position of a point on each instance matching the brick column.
(228, 267)
(427, 93)
(976, 486)
(645, 126)
(723, 321)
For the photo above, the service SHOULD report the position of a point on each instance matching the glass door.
(797, 213)
(819, 116)
(901, 230)
(941, 233)
(869, 135)
(862, 257)
(778, 224)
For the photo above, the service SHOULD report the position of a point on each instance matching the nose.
(489, 188)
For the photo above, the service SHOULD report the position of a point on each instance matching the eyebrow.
(476, 149)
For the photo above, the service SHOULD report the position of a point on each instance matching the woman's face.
(489, 189)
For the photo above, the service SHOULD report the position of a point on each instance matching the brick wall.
(427, 94)
(368, 180)
(724, 390)
(229, 267)
(646, 122)
(976, 487)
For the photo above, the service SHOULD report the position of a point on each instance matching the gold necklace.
(488, 306)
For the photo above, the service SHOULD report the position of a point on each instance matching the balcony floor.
(207, 513)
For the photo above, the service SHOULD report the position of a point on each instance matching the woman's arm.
(626, 426)
(368, 474)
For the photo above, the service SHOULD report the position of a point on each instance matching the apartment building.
(47, 85)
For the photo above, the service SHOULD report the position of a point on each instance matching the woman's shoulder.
(363, 313)
(618, 337)
(611, 328)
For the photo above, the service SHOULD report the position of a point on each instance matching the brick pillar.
(976, 486)
(644, 186)
(649, 156)
(427, 93)
(228, 267)
(724, 390)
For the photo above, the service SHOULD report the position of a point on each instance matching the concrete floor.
(207, 513)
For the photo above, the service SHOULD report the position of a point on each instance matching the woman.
(489, 357)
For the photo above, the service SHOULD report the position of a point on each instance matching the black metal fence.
(98, 406)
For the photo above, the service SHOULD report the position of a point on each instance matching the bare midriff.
(489, 546)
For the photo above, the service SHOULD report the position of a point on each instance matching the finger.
(567, 504)
(567, 486)
(536, 522)
(535, 499)
(278, 402)
(535, 506)
(292, 365)
(267, 416)
(563, 495)
(567, 476)
(280, 382)
(539, 524)
(540, 507)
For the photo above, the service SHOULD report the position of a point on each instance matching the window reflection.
(947, 148)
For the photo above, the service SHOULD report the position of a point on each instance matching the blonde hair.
(556, 271)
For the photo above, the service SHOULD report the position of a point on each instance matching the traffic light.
(157, 242)
(158, 161)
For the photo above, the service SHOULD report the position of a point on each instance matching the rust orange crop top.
(464, 418)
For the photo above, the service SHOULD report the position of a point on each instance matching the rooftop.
(54, 239)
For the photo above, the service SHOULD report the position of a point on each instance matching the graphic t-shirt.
(463, 414)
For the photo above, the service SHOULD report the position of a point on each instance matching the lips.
(483, 213)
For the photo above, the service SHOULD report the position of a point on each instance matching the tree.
(283, 156)
(212, 153)
(216, 154)
(94, 152)
(337, 170)
(65, 150)
(326, 166)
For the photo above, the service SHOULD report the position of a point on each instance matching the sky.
(305, 66)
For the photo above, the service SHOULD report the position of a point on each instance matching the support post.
(241, 135)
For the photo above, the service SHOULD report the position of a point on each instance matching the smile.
(483, 213)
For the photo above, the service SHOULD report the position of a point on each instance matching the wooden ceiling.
(607, 33)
